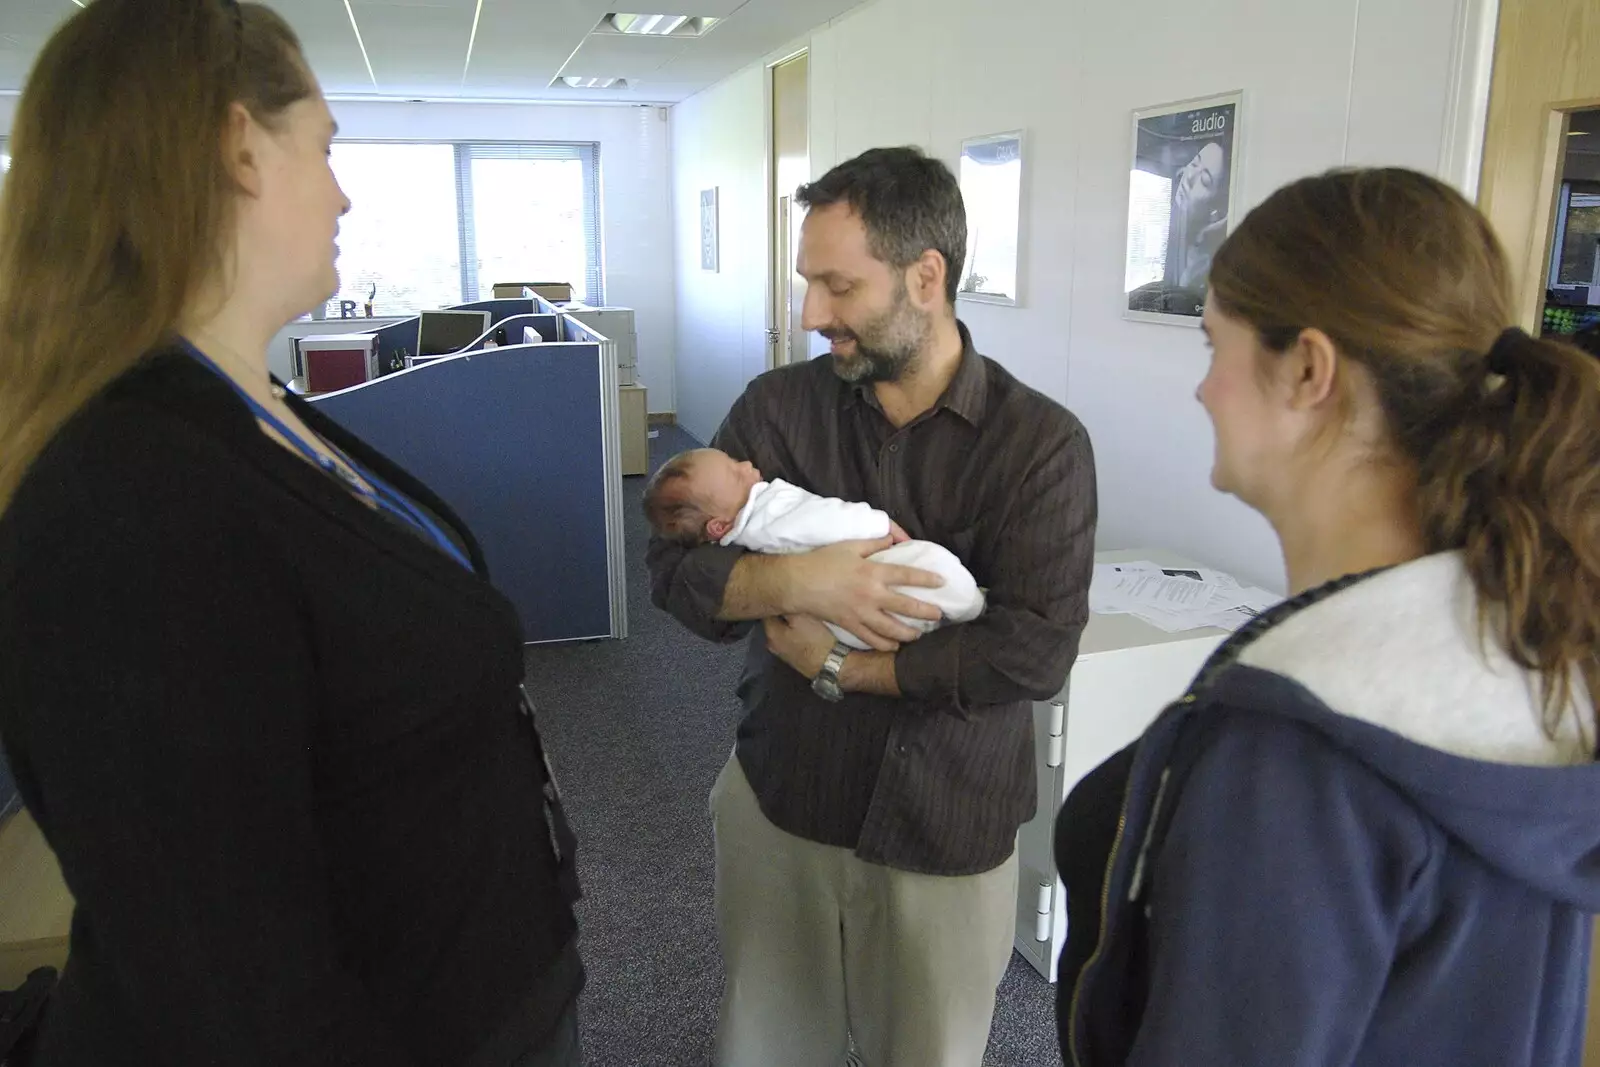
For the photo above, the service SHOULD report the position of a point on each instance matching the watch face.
(827, 688)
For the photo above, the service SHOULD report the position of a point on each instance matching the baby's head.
(696, 496)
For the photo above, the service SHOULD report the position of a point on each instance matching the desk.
(35, 907)
(1126, 674)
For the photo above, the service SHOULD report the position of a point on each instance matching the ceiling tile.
(415, 44)
(617, 56)
(522, 45)
(418, 48)
(329, 43)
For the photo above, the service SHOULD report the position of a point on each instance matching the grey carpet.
(637, 731)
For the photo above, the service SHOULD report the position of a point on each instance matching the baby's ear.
(717, 529)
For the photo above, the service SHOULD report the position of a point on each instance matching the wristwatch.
(826, 684)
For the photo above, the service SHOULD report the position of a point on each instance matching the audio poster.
(1183, 194)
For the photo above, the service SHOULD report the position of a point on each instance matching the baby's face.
(722, 484)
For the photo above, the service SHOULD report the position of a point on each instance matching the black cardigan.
(274, 740)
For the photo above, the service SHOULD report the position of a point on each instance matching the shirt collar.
(967, 394)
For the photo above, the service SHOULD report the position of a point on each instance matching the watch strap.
(835, 661)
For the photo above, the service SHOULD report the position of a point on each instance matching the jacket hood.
(1396, 670)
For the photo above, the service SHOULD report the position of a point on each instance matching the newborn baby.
(706, 495)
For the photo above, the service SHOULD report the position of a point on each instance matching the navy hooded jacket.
(1353, 842)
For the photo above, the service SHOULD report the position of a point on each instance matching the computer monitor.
(439, 333)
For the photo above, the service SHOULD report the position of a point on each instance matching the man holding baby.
(866, 823)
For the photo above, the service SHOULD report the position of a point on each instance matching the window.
(401, 235)
(1577, 244)
(438, 224)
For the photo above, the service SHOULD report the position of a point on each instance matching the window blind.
(471, 195)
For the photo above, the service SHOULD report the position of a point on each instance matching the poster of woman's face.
(1181, 198)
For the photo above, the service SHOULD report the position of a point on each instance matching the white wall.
(636, 205)
(1326, 82)
(717, 142)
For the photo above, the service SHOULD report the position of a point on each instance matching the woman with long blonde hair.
(254, 685)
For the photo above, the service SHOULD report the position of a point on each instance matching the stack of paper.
(1175, 599)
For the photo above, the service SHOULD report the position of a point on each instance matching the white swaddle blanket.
(783, 519)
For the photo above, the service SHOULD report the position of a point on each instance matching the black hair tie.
(1502, 359)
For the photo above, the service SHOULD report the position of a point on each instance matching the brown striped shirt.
(940, 780)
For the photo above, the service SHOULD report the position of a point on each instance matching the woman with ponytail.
(254, 685)
(1369, 833)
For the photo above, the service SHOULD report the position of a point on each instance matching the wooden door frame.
(1528, 118)
(770, 172)
(1530, 257)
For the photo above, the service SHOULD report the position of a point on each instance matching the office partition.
(398, 340)
(521, 441)
(498, 309)
(574, 331)
(548, 327)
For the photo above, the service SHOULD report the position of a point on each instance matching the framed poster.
(708, 229)
(991, 189)
(1183, 194)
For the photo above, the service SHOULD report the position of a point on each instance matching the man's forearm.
(870, 672)
(757, 589)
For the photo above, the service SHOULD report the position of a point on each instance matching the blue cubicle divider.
(547, 326)
(517, 440)
(397, 339)
(498, 309)
(400, 338)
(577, 331)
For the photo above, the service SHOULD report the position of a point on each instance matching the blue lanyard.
(379, 495)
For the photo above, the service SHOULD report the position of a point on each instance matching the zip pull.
(1137, 882)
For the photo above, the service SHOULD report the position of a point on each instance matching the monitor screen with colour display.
(439, 333)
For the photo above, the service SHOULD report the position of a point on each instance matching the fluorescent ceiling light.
(646, 24)
(658, 25)
(1577, 133)
(348, 10)
(594, 83)
(472, 42)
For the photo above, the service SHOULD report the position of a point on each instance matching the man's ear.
(717, 529)
(241, 150)
(927, 279)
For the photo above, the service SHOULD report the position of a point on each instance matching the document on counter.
(1255, 602)
(1175, 599)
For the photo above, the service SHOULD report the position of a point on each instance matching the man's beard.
(885, 347)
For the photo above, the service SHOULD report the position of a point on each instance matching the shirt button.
(894, 448)
(902, 749)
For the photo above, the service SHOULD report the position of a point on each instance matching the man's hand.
(800, 641)
(840, 584)
(804, 643)
(897, 533)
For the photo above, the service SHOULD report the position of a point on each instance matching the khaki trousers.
(820, 947)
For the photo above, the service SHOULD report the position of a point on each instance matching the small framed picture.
(708, 229)
(991, 188)
(1183, 195)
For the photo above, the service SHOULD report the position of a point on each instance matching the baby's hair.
(668, 506)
